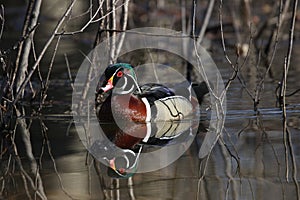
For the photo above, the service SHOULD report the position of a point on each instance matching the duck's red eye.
(119, 74)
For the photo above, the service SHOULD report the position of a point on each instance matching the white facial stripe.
(135, 82)
(124, 85)
(127, 161)
(131, 89)
(126, 91)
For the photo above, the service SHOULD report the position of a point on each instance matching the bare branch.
(2, 19)
(206, 20)
(124, 19)
(47, 142)
(91, 20)
(69, 71)
(25, 48)
(113, 25)
(59, 24)
(47, 82)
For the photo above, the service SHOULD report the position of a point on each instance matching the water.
(254, 159)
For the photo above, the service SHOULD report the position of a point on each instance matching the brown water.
(253, 160)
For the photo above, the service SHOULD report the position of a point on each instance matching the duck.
(132, 115)
(149, 102)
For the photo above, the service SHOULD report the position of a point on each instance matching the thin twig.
(45, 86)
(283, 12)
(206, 21)
(294, 162)
(38, 71)
(69, 70)
(90, 74)
(113, 25)
(91, 21)
(101, 179)
(47, 142)
(218, 103)
(124, 19)
(2, 19)
(285, 141)
(275, 40)
(262, 128)
(287, 137)
(130, 188)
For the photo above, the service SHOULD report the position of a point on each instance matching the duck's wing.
(153, 92)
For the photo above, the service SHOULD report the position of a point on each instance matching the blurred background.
(255, 45)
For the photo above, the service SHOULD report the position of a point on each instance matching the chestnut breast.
(128, 107)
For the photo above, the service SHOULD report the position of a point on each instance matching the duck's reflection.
(121, 148)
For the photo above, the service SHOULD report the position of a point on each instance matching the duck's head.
(119, 77)
(125, 165)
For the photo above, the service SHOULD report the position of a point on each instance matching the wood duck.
(119, 99)
(149, 102)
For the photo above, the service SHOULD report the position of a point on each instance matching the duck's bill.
(109, 85)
